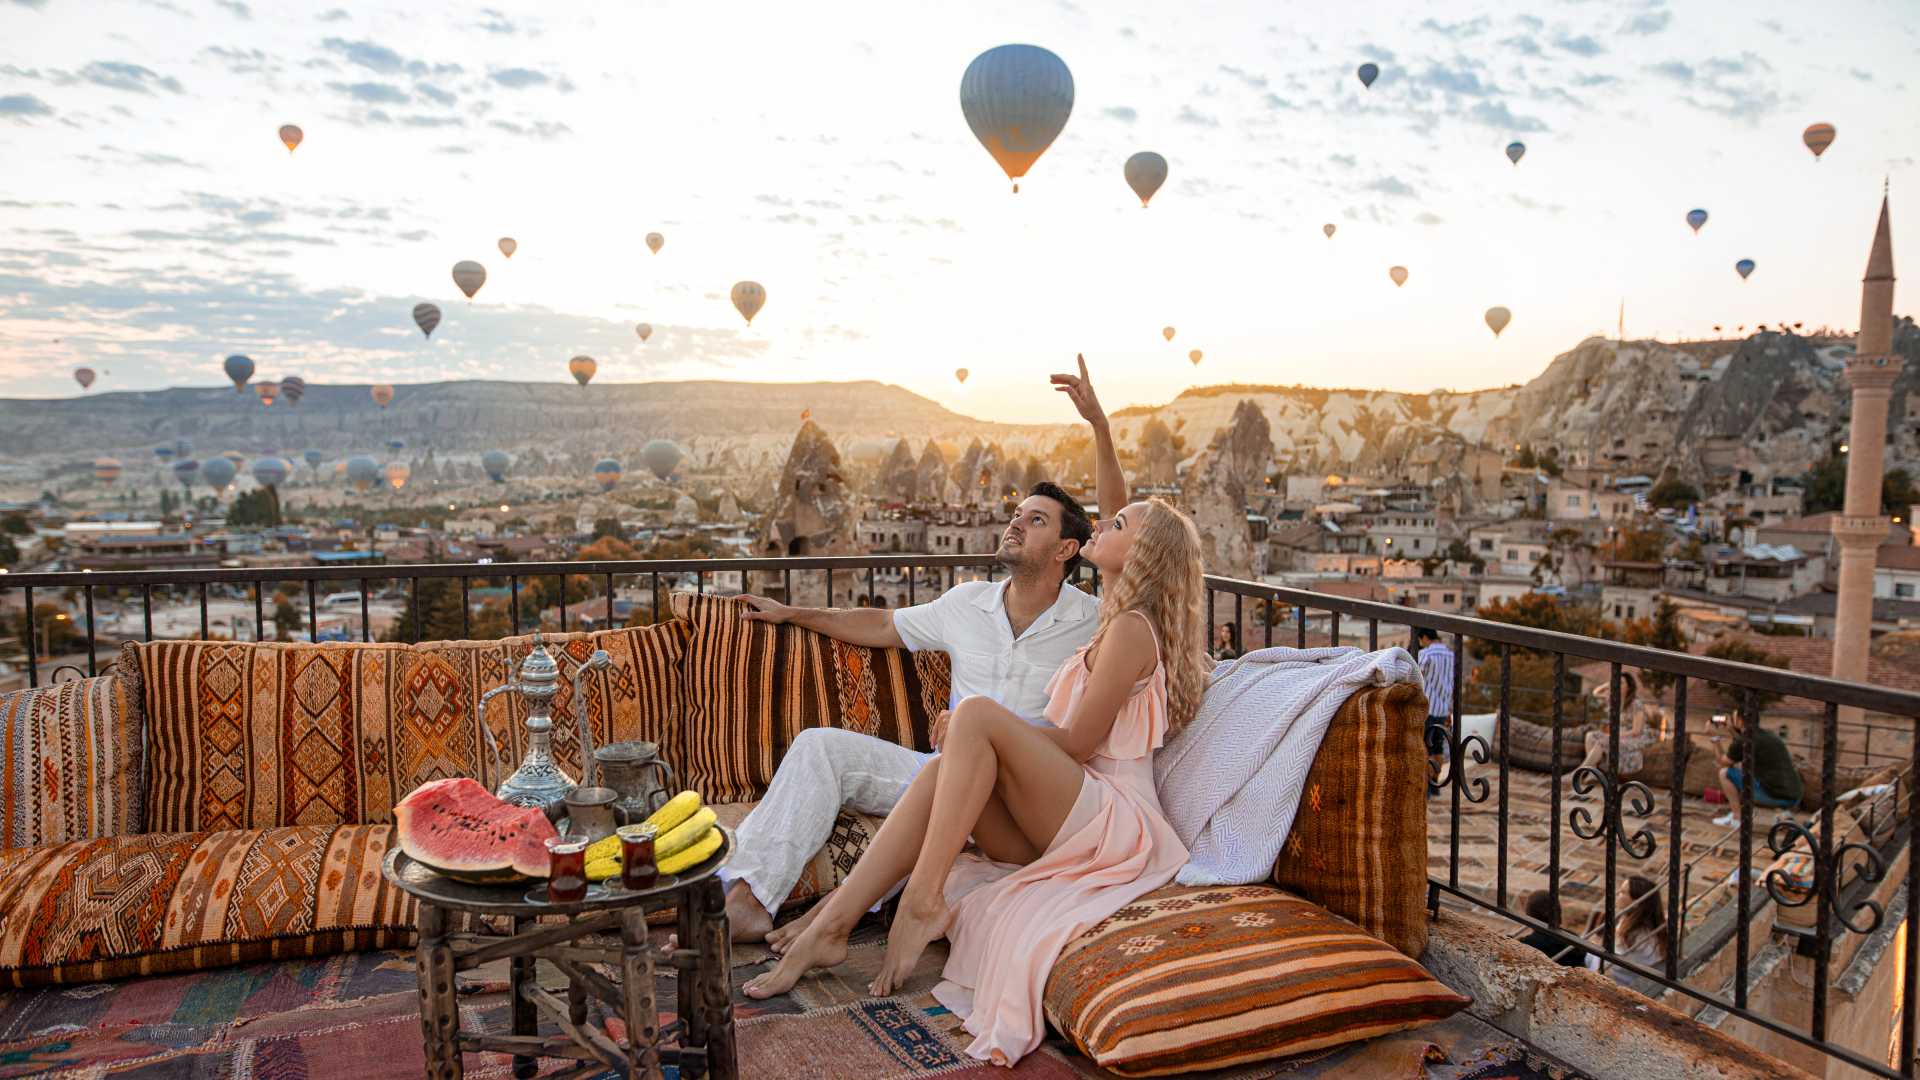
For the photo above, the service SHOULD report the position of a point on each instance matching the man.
(1006, 640)
(1776, 780)
(1436, 673)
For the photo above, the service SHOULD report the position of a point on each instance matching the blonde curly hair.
(1162, 581)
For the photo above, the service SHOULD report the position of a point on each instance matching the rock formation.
(1225, 479)
(813, 512)
(899, 478)
(930, 480)
(685, 510)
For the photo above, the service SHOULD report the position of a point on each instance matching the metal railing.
(1619, 819)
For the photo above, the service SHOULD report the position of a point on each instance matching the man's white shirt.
(969, 623)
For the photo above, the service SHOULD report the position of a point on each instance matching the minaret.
(1860, 528)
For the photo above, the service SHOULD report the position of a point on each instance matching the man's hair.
(1426, 633)
(1074, 522)
(1541, 907)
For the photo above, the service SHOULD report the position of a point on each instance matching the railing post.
(1744, 877)
(259, 613)
(1506, 690)
(1553, 817)
(91, 651)
(1611, 809)
(33, 643)
(1675, 798)
(313, 610)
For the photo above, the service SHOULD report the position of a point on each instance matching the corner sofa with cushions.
(212, 803)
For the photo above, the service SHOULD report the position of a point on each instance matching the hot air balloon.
(219, 472)
(270, 471)
(1818, 137)
(1497, 319)
(508, 246)
(396, 445)
(236, 457)
(1716, 328)
(291, 135)
(961, 375)
(183, 447)
(662, 456)
(655, 242)
(495, 462)
(186, 469)
(1398, 274)
(645, 330)
(397, 473)
(1167, 332)
(267, 390)
(1515, 151)
(606, 472)
(382, 394)
(1195, 357)
(582, 369)
(84, 376)
(106, 469)
(1368, 72)
(239, 369)
(1016, 98)
(1328, 229)
(748, 298)
(1145, 172)
(293, 388)
(469, 276)
(1696, 218)
(426, 317)
(1744, 267)
(314, 458)
(362, 472)
(164, 453)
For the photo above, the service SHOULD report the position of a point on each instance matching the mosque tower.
(1860, 528)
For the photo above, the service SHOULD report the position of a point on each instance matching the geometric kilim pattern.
(155, 904)
(259, 735)
(852, 833)
(70, 762)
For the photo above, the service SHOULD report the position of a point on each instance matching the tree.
(258, 507)
(1460, 554)
(16, 524)
(1897, 492)
(1673, 493)
(440, 616)
(1738, 648)
(1638, 545)
(607, 527)
(607, 549)
(1541, 612)
(287, 619)
(1529, 689)
(1661, 630)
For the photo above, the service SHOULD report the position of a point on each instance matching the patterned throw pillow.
(248, 736)
(158, 904)
(72, 768)
(1359, 842)
(1189, 979)
(752, 687)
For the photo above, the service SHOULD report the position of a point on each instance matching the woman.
(1072, 807)
(1640, 928)
(1641, 722)
(1226, 641)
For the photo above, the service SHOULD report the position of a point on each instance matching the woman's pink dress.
(1114, 847)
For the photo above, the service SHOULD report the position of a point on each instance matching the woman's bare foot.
(919, 923)
(779, 937)
(747, 919)
(818, 948)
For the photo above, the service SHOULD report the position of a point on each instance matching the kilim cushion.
(1359, 842)
(752, 687)
(852, 832)
(72, 768)
(158, 903)
(1530, 745)
(259, 735)
(1189, 979)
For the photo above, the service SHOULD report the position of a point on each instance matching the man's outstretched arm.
(1109, 483)
(872, 627)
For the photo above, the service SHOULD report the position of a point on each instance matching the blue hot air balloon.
(363, 472)
(1515, 151)
(1369, 71)
(239, 369)
(183, 447)
(396, 445)
(164, 453)
(314, 458)
(606, 472)
(1744, 267)
(496, 462)
(1016, 98)
(219, 472)
(271, 471)
(185, 469)
(1696, 218)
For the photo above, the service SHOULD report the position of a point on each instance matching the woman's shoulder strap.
(1152, 630)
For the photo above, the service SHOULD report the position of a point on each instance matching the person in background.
(1640, 928)
(1542, 907)
(1776, 780)
(863, 601)
(1641, 723)
(1436, 674)
(1226, 642)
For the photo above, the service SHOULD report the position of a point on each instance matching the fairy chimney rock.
(813, 512)
(1224, 478)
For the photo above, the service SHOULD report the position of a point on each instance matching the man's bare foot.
(918, 924)
(747, 919)
(779, 937)
(817, 948)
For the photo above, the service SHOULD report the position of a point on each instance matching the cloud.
(1189, 115)
(128, 78)
(373, 93)
(1126, 114)
(1428, 217)
(1495, 114)
(1863, 76)
(366, 54)
(1672, 69)
(435, 94)
(24, 105)
(1647, 22)
(534, 129)
(1526, 203)
(1456, 80)
(1522, 44)
(1392, 185)
(519, 78)
(453, 149)
(243, 61)
(1736, 87)
(335, 15)
(1345, 161)
(1531, 22)
(239, 10)
(1457, 31)
(1253, 81)
(493, 22)
(1375, 52)
(1584, 45)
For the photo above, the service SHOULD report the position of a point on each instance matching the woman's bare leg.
(987, 749)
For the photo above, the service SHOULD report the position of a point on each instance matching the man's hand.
(940, 727)
(767, 611)
(1080, 389)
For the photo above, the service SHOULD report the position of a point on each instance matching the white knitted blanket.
(1231, 781)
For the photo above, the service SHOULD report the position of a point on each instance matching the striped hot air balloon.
(469, 276)
(397, 474)
(106, 469)
(1818, 137)
(606, 473)
(582, 369)
(426, 317)
(748, 298)
(268, 391)
(239, 369)
(293, 388)
(1016, 98)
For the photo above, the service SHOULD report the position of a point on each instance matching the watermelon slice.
(456, 827)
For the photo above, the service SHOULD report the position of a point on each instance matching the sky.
(151, 223)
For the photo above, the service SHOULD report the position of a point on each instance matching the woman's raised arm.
(1125, 655)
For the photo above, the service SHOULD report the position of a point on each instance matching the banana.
(607, 847)
(677, 809)
(602, 869)
(701, 850)
(685, 835)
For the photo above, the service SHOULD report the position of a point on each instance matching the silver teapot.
(539, 781)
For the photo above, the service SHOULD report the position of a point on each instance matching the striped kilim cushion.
(252, 736)
(72, 769)
(752, 687)
(1359, 842)
(159, 903)
(1189, 979)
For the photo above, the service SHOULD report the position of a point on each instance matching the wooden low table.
(703, 1033)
